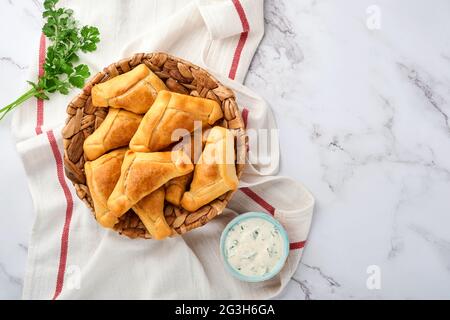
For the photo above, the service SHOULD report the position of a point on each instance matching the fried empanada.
(150, 210)
(169, 112)
(134, 90)
(215, 172)
(192, 146)
(115, 131)
(141, 174)
(102, 175)
(176, 187)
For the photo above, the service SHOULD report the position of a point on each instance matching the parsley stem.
(27, 95)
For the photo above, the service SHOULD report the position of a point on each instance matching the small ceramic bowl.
(279, 265)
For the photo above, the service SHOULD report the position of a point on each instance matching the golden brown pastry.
(101, 176)
(115, 131)
(215, 172)
(151, 212)
(141, 174)
(172, 111)
(134, 90)
(192, 146)
(176, 187)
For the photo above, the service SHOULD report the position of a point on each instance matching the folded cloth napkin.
(70, 256)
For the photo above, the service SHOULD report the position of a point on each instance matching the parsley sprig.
(61, 71)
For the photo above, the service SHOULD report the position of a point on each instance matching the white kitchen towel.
(70, 256)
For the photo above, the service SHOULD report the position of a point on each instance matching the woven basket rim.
(181, 76)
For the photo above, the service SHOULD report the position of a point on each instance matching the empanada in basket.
(133, 91)
(141, 174)
(173, 111)
(215, 172)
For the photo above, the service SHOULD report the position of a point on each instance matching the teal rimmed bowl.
(278, 266)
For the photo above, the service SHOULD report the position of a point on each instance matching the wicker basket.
(179, 76)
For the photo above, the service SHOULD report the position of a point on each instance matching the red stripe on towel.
(242, 38)
(242, 16)
(255, 197)
(237, 55)
(69, 210)
(263, 203)
(60, 173)
(297, 245)
(42, 52)
(40, 102)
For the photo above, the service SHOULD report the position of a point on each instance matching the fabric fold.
(221, 19)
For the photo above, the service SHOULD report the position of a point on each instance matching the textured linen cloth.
(70, 256)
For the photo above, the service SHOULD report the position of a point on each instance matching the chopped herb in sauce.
(254, 246)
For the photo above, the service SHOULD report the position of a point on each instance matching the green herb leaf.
(49, 4)
(64, 88)
(82, 70)
(90, 38)
(77, 81)
(34, 85)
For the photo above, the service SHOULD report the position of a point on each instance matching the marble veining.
(442, 246)
(13, 62)
(303, 287)
(360, 91)
(436, 101)
(12, 279)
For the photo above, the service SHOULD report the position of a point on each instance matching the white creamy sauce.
(253, 247)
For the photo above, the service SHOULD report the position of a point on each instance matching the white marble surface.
(364, 124)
